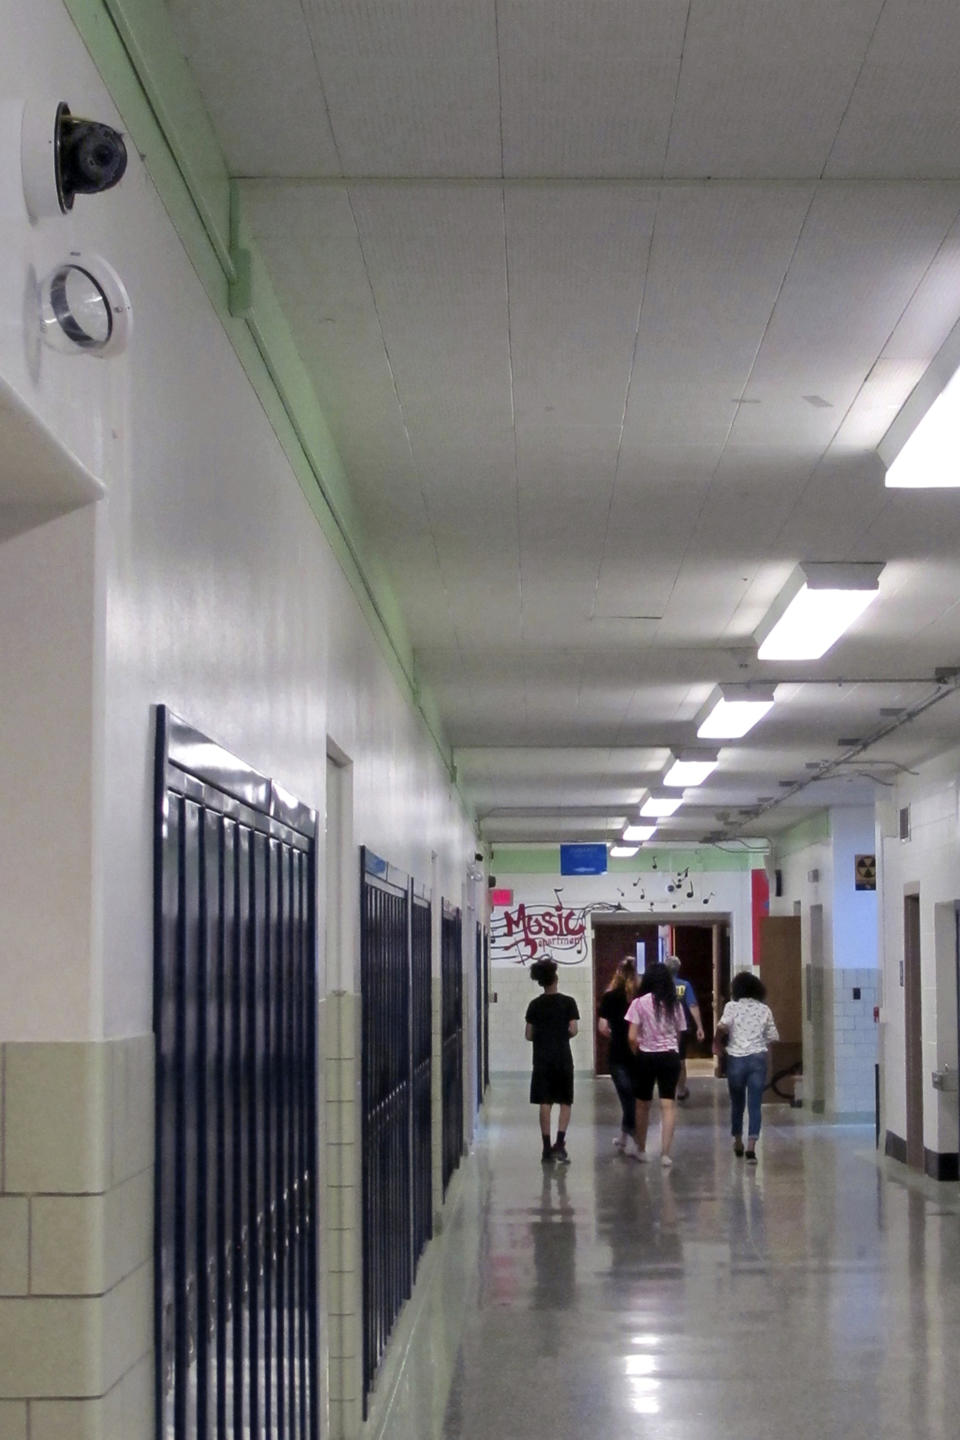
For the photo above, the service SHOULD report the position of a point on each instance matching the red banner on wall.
(760, 907)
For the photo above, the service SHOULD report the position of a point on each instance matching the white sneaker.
(620, 1141)
(629, 1147)
(665, 1161)
(642, 1156)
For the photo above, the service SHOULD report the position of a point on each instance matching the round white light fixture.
(84, 308)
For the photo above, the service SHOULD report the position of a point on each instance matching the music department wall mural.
(560, 928)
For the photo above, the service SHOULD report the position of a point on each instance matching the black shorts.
(551, 1084)
(656, 1067)
(682, 1040)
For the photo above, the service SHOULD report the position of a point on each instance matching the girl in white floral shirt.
(746, 1028)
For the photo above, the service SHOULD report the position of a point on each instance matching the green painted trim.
(814, 830)
(133, 47)
(700, 859)
(180, 113)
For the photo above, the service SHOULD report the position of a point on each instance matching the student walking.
(656, 1020)
(688, 999)
(612, 1023)
(552, 1020)
(746, 1029)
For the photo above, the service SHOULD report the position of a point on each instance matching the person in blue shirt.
(688, 999)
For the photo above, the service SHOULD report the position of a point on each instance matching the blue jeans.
(623, 1083)
(746, 1081)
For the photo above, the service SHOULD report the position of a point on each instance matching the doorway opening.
(913, 1059)
(704, 954)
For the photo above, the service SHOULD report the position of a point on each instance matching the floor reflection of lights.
(642, 1387)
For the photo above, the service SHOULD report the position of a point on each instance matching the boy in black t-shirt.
(552, 1021)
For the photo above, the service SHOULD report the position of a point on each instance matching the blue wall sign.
(583, 859)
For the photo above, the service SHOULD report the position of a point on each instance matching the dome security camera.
(63, 155)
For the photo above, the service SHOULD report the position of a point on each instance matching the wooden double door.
(701, 950)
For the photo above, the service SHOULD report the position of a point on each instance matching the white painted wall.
(730, 896)
(201, 581)
(854, 911)
(928, 862)
(841, 982)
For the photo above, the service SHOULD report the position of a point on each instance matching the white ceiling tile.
(587, 89)
(863, 253)
(764, 85)
(592, 423)
(903, 119)
(236, 49)
(576, 265)
(412, 88)
(717, 264)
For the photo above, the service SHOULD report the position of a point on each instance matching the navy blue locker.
(386, 1104)
(280, 1061)
(191, 1390)
(451, 1028)
(229, 1423)
(269, 1134)
(234, 996)
(209, 1226)
(421, 1026)
(256, 1019)
(305, 1044)
(478, 970)
(243, 1121)
(167, 1102)
(486, 1010)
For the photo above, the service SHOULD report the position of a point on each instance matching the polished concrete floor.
(816, 1294)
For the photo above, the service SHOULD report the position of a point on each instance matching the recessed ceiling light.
(638, 832)
(732, 710)
(659, 806)
(690, 767)
(819, 602)
(623, 852)
(928, 460)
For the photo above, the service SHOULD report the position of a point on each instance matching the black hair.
(544, 971)
(747, 986)
(659, 982)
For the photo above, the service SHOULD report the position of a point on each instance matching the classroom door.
(913, 1058)
(780, 971)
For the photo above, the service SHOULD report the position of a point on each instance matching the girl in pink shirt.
(656, 1019)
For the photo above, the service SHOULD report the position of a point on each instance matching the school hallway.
(817, 1293)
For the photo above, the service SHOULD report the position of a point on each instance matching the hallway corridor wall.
(817, 861)
(202, 581)
(926, 864)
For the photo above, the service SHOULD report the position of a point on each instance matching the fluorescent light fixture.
(732, 710)
(690, 767)
(930, 458)
(657, 807)
(623, 852)
(818, 603)
(638, 832)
